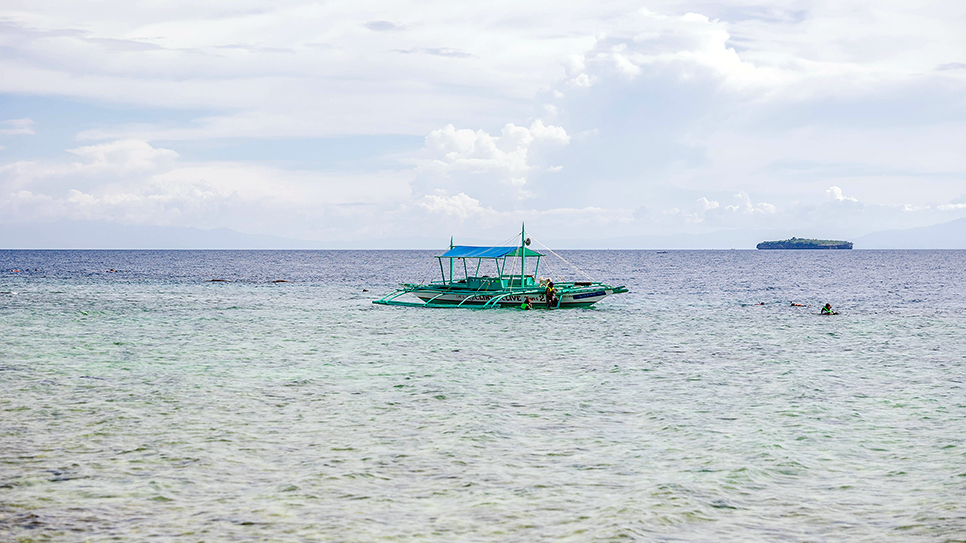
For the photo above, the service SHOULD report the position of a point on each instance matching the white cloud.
(123, 156)
(477, 151)
(701, 207)
(704, 204)
(581, 81)
(835, 193)
(136, 183)
(17, 127)
(746, 206)
(131, 182)
(460, 206)
(310, 69)
(549, 133)
(472, 162)
(644, 40)
(112, 160)
(298, 68)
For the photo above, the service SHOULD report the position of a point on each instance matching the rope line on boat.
(509, 242)
(429, 271)
(582, 272)
(554, 271)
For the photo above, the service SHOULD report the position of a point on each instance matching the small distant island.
(800, 243)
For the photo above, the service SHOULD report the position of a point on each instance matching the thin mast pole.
(523, 252)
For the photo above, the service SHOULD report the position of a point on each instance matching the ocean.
(151, 403)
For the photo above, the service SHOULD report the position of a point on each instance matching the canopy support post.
(523, 254)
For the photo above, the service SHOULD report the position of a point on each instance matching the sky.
(378, 120)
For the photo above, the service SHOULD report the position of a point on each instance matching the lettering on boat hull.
(539, 300)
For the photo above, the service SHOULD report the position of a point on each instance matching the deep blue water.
(151, 403)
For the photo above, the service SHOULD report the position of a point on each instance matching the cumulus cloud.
(701, 206)
(582, 81)
(646, 40)
(459, 206)
(744, 205)
(835, 193)
(473, 161)
(123, 156)
(704, 204)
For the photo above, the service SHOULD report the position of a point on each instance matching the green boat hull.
(568, 295)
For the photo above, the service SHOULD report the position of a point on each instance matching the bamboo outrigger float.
(506, 288)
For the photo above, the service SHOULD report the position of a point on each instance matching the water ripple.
(151, 403)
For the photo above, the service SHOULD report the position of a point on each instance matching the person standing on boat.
(550, 295)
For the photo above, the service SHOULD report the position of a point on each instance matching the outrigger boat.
(511, 285)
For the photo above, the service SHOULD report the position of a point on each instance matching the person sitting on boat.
(550, 295)
(827, 310)
(527, 304)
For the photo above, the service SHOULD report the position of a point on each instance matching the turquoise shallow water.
(151, 404)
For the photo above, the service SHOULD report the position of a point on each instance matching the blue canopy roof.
(468, 251)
